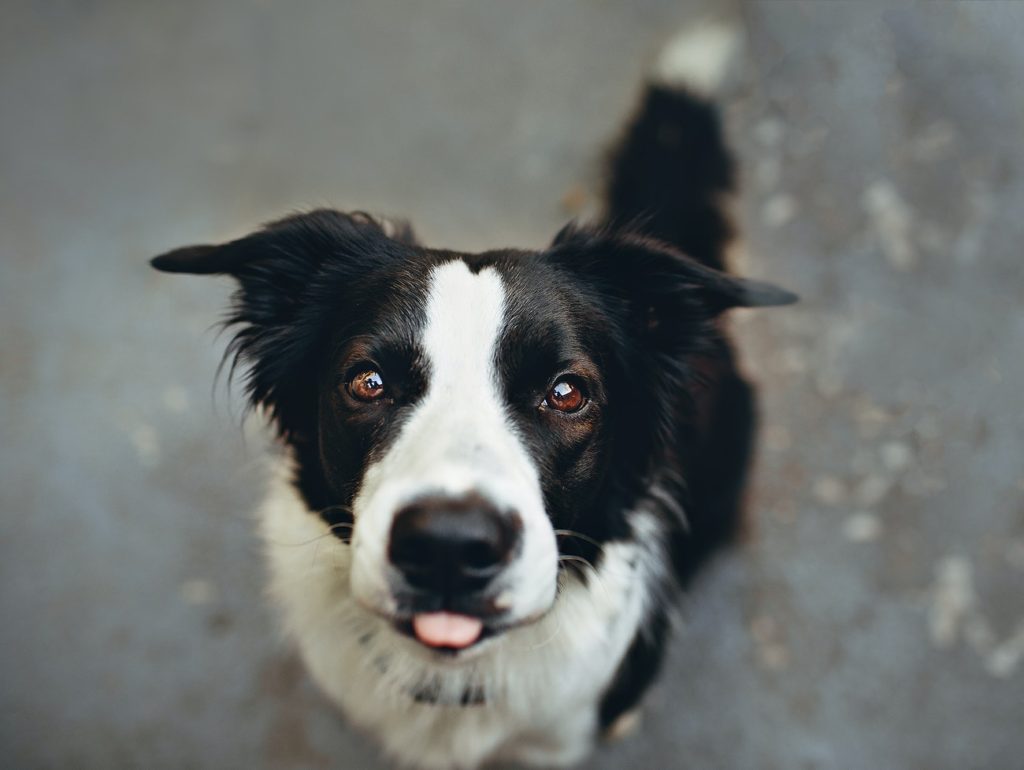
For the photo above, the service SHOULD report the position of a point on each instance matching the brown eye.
(565, 396)
(368, 385)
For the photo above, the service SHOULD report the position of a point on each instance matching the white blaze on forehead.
(458, 440)
(464, 319)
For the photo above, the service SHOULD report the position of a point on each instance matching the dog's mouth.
(454, 634)
(450, 627)
(446, 632)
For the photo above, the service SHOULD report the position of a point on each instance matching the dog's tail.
(671, 173)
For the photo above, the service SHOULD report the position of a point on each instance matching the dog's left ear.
(656, 277)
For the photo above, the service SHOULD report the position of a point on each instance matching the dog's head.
(466, 421)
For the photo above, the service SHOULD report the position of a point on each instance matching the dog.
(499, 470)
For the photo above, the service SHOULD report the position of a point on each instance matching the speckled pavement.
(874, 618)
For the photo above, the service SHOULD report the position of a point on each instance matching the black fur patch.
(668, 178)
(671, 171)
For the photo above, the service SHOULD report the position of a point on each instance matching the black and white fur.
(618, 504)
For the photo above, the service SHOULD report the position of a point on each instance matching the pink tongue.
(445, 629)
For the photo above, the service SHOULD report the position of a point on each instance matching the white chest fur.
(538, 686)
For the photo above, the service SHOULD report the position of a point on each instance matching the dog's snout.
(452, 547)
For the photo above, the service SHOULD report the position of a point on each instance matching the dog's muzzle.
(450, 554)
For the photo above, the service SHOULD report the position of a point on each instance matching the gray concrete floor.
(874, 618)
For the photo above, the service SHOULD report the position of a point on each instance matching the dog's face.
(450, 417)
(480, 418)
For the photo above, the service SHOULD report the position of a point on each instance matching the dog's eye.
(566, 395)
(367, 385)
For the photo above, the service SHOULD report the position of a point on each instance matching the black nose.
(452, 547)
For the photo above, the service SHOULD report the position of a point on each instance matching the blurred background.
(875, 616)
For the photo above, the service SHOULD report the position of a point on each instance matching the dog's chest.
(531, 698)
(557, 732)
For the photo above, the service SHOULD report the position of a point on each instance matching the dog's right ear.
(302, 239)
(203, 260)
(281, 264)
(292, 276)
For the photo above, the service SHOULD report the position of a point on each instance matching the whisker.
(578, 559)
(329, 533)
(316, 550)
(579, 536)
(329, 508)
(587, 566)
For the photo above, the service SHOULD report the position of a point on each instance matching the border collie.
(500, 469)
